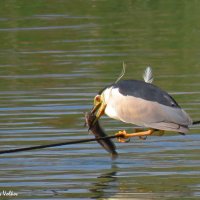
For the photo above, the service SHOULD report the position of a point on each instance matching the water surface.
(55, 56)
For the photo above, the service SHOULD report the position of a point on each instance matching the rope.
(64, 143)
(56, 144)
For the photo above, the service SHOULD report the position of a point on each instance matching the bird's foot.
(122, 135)
(142, 137)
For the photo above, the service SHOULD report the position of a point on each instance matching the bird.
(141, 103)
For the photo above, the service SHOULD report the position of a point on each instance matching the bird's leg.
(139, 130)
(122, 135)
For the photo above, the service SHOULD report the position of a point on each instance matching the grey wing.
(151, 114)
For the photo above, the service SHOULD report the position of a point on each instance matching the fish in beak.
(98, 132)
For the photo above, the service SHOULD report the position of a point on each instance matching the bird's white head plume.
(148, 75)
(122, 73)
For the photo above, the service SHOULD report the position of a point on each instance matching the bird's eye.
(97, 98)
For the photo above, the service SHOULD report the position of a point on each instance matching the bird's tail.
(196, 122)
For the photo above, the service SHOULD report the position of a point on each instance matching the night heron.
(143, 104)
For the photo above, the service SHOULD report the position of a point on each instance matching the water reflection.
(115, 185)
(106, 184)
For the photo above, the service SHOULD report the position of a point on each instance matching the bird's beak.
(99, 109)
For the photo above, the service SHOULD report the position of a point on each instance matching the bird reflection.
(106, 184)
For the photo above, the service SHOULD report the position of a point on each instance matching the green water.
(55, 56)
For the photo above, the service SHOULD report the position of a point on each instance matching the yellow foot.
(122, 135)
(143, 137)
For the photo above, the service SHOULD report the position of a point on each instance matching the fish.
(98, 132)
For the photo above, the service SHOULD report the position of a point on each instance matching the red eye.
(98, 98)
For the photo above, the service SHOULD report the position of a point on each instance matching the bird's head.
(99, 107)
